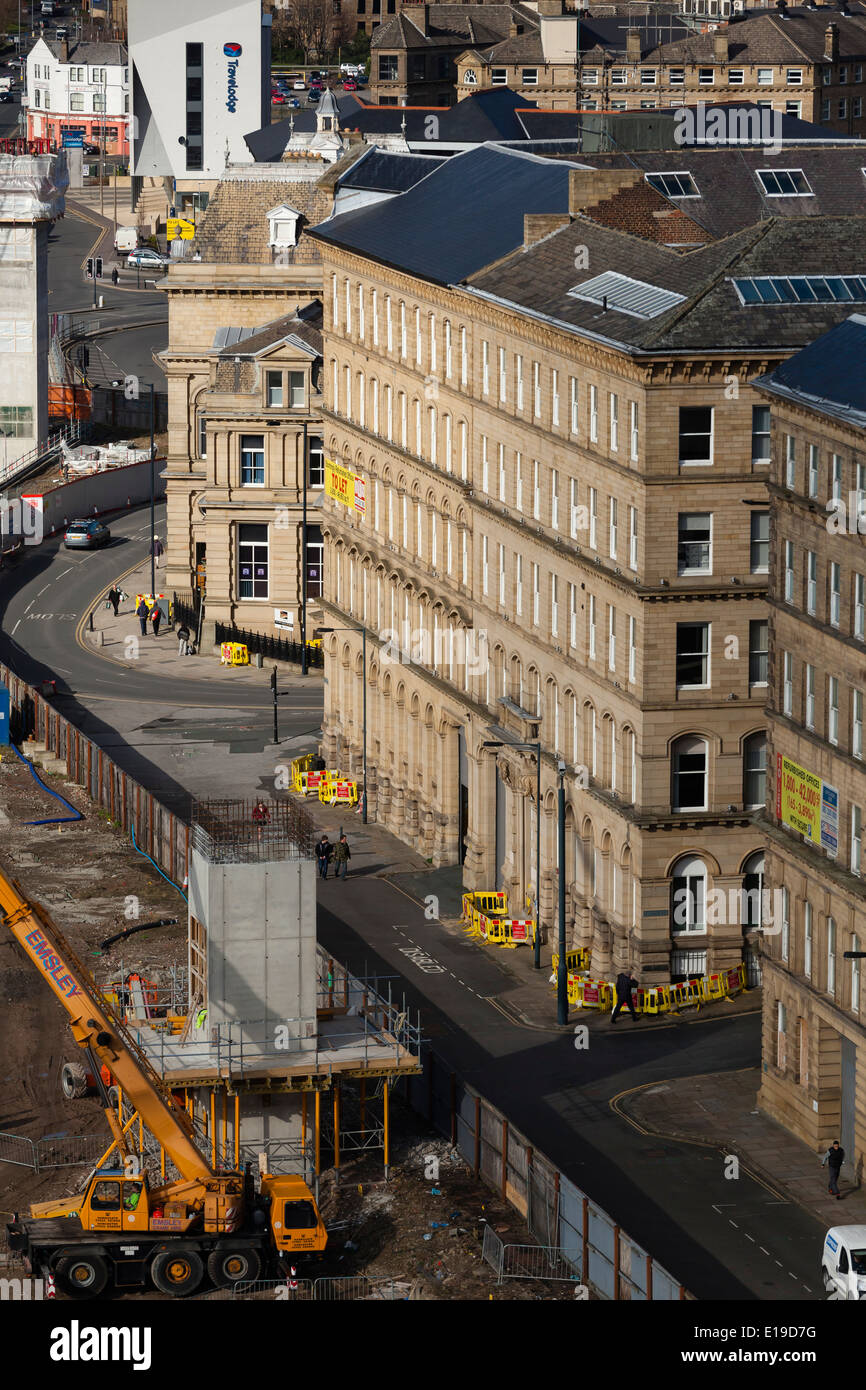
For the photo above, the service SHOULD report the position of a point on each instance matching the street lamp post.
(363, 632)
(152, 482)
(304, 557)
(536, 749)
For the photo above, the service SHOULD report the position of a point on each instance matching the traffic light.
(274, 680)
(90, 267)
(98, 268)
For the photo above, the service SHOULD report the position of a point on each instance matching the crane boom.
(94, 1025)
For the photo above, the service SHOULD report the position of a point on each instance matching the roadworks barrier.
(601, 995)
(234, 654)
(485, 918)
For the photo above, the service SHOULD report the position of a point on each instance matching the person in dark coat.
(342, 855)
(142, 612)
(834, 1158)
(324, 850)
(114, 598)
(183, 636)
(625, 983)
(156, 618)
(114, 276)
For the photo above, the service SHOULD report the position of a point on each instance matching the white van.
(844, 1262)
(126, 239)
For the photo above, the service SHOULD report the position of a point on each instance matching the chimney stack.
(720, 46)
(64, 50)
(550, 7)
(831, 43)
(632, 45)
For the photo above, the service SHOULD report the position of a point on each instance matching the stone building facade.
(807, 63)
(814, 1045)
(235, 432)
(563, 538)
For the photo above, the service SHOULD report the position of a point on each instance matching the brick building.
(814, 1045)
(562, 535)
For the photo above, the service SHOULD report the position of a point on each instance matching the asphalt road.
(723, 1238)
(158, 728)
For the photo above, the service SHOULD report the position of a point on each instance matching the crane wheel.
(177, 1272)
(230, 1267)
(73, 1080)
(82, 1276)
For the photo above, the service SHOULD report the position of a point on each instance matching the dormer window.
(283, 226)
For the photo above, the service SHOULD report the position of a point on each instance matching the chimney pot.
(831, 43)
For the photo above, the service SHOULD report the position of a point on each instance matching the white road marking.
(766, 1252)
(16, 627)
(65, 572)
(745, 1233)
(42, 591)
(730, 1222)
(29, 606)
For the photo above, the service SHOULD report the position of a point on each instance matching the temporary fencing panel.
(18, 1149)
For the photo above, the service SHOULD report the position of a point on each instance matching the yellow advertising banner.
(179, 227)
(345, 487)
(798, 798)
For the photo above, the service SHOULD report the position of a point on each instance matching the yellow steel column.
(363, 1106)
(387, 1129)
(140, 1135)
(162, 1162)
(213, 1130)
(237, 1130)
(225, 1153)
(337, 1127)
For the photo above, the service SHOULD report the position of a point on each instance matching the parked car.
(293, 101)
(86, 535)
(277, 99)
(300, 85)
(349, 84)
(147, 258)
(314, 95)
(6, 96)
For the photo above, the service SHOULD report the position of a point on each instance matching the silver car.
(86, 535)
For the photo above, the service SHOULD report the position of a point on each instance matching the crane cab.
(295, 1221)
(115, 1201)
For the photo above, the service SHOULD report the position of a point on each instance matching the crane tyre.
(177, 1272)
(82, 1276)
(73, 1080)
(229, 1267)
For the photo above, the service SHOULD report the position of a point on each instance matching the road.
(157, 728)
(723, 1238)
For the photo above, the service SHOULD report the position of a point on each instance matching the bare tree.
(310, 23)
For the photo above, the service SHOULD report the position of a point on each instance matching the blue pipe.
(56, 820)
(145, 855)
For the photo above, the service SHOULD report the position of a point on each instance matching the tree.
(310, 23)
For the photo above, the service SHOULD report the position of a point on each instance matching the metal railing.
(350, 1288)
(527, 1261)
(270, 648)
(42, 452)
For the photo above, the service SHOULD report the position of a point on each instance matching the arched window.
(689, 895)
(754, 771)
(753, 887)
(689, 774)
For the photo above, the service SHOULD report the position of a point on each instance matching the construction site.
(196, 1100)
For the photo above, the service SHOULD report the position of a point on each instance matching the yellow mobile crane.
(121, 1230)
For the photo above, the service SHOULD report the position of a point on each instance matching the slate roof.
(234, 227)
(827, 376)
(765, 37)
(711, 316)
(306, 326)
(96, 54)
(387, 172)
(730, 194)
(447, 25)
(460, 219)
(542, 124)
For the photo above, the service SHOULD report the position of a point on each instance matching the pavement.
(721, 1110)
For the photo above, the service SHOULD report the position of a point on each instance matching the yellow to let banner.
(798, 798)
(345, 487)
(179, 227)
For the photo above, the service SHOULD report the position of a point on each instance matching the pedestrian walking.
(156, 549)
(142, 612)
(324, 850)
(156, 618)
(114, 276)
(183, 636)
(342, 855)
(114, 598)
(625, 983)
(834, 1158)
